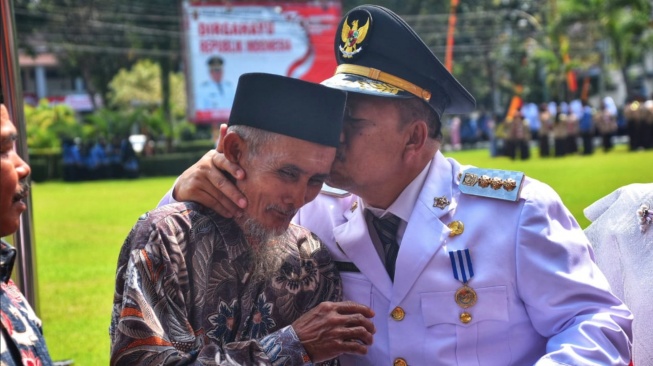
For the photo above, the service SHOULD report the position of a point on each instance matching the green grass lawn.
(80, 227)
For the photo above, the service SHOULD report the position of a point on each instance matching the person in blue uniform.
(461, 265)
(72, 160)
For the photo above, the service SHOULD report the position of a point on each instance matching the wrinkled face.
(285, 175)
(371, 145)
(13, 177)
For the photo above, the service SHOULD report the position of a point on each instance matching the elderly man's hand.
(205, 183)
(334, 328)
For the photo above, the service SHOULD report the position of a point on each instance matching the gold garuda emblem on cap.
(352, 37)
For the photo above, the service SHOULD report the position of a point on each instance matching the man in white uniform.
(486, 267)
(216, 93)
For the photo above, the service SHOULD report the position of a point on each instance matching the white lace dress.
(623, 247)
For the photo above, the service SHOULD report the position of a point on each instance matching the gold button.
(465, 317)
(398, 313)
(456, 227)
(400, 362)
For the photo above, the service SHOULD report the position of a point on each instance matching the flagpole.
(448, 59)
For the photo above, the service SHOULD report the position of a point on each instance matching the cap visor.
(360, 84)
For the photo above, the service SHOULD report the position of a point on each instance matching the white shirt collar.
(402, 207)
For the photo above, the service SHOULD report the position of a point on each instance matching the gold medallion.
(465, 297)
(456, 227)
(398, 313)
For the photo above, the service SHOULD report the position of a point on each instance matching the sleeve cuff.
(168, 198)
(285, 345)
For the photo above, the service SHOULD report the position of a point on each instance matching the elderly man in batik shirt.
(194, 287)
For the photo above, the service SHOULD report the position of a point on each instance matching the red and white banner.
(79, 102)
(225, 41)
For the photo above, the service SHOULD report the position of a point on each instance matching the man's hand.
(333, 328)
(205, 183)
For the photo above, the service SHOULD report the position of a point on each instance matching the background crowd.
(556, 129)
(91, 160)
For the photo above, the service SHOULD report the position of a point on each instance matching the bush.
(47, 124)
(49, 165)
(39, 170)
(197, 146)
(45, 166)
(168, 164)
(141, 86)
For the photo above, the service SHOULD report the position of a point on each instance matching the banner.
(572, 84)
(226, 41)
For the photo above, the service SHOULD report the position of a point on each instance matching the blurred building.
(42, 78)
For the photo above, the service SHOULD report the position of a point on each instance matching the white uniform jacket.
(541, 298)
(213, 96)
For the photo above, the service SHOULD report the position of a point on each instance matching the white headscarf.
(623, 248)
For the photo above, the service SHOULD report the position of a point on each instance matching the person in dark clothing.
(129, 159)
(586, 127)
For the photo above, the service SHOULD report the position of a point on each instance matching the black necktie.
(387, 229)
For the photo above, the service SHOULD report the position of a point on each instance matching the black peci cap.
(290, 107)
(379, 54)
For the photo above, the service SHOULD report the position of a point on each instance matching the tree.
(628, 28)
(494, 48)
(155, 28)
(141, 86)
(77, 31)
(625, 24)
(95, 39)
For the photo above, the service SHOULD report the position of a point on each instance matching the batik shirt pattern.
(184, 293)
(21, 336)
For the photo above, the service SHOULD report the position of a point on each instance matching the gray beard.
(265, 251)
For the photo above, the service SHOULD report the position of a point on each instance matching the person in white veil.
(621, 233)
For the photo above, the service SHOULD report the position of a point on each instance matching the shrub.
(167, 164)
(48, 124)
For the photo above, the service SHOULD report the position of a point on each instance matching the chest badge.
(441, 202)
(492, 183)
(354, 206)
(354, 32)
